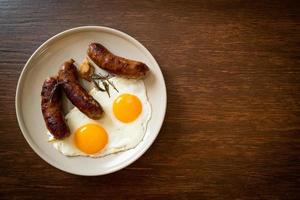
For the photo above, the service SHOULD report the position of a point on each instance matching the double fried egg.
(122, 127)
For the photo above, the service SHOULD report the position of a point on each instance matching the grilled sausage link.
(52, 109)
(79, 97)
(115, 64)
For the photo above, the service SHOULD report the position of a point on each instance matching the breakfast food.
(79, 97)
(52, 110)
(112, 117)
(122, 126)
(116, 64)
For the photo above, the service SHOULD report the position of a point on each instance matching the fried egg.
(122, 127)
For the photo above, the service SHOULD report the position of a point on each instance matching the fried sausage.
(52, 109)
(115, 64)
(79, 97)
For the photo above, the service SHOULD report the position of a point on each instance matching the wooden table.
(232, 128)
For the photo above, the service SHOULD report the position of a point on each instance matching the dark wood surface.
(232, 127)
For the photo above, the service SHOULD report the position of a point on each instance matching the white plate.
(45, 62)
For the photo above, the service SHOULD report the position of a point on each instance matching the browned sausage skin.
(79, 97)
(115, 64)
(52, 109)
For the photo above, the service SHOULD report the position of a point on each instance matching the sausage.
(52, 109)
(115, 64)
(79, 97)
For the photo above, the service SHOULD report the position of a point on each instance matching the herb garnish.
(97, 78)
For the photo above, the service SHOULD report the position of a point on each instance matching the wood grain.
(232, 129)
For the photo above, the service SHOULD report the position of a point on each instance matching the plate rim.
(19, 114)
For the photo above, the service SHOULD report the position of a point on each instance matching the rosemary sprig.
(106, 86)
(112, 84)
(100, 76)
(97, 85)
(104, 81)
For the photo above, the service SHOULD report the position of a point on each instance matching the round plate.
(46, 61)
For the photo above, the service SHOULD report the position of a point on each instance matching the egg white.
(122, 136)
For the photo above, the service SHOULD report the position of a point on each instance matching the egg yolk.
(90, 138)
(127, 107)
